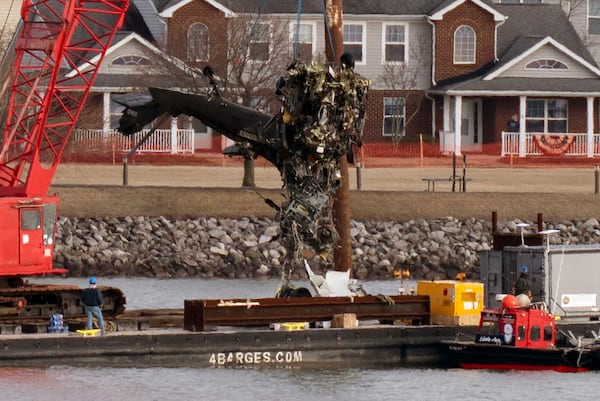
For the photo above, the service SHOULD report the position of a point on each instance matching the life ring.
(554, 145)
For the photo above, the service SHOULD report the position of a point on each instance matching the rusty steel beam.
(263, 311)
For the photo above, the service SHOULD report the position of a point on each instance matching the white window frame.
(363, 43)
(546, 64)
(521, 2)
(194, 57)
(455, 48)
(384, 43)
(402, 132)
(129, 60)
(545, 119)
(313, 26)
(591, 17)
(268, 41)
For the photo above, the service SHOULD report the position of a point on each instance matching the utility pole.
(334, 48)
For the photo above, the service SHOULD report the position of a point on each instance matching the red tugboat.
(521, 336)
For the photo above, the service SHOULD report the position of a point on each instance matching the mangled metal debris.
(325, 111)
(321, 118)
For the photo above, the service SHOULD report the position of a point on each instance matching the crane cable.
(5, 23)
(297, 39)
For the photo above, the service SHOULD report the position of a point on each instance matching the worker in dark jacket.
(92, 299)
(522, 284)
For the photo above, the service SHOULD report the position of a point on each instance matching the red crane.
(57, 51)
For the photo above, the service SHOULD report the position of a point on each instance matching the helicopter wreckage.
(321, 119)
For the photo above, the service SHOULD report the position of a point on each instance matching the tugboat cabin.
(530, 326)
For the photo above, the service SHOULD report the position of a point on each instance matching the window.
(198, 42)
(116, 110)
(547, 333)
(594, 17)
(546, 116)
(49, 223)
(395, 43)
(302, 39)
(546, 64)
(30, 219)
(393, 116)
(354, 41)
(130, 60)
(464, 45)
(535, 333)
(260, 35)
(521, 333)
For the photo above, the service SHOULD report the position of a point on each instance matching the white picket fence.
(161, 141)
(579, 147)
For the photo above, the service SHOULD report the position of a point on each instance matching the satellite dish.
(522, 226)
(547, 233)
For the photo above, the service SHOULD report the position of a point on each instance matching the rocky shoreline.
(249, 247)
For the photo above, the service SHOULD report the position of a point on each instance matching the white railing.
(161, 141)
(578, 145)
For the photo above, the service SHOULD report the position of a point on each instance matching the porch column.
(522, 132)
(590, 126)
(173, 135)
(446, 116)
(457, 124)
(105, 113)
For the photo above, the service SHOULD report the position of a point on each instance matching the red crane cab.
(27, 236)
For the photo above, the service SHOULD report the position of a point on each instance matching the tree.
(258, 50)
(245, 71)
(402, 79)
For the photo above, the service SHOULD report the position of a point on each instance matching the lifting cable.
(5, 23)
(297, 41)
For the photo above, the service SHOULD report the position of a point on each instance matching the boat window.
(548, 333)
(490, 329)
(534, 333)
(521, 332)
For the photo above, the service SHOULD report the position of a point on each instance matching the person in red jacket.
(92, 298)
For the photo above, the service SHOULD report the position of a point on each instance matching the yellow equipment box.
(453, 302)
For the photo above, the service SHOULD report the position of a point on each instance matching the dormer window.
(464, 45)
(546, 64)
(130, 60)
(198, 42)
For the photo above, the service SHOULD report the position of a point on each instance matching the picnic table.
(461, 182)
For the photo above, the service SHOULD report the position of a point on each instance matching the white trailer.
(565, 277)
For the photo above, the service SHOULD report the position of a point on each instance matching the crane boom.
(58, 52)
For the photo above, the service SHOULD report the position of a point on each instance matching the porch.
(168, 141)
(540, 144)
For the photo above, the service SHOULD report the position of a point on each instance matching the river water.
(67, 383)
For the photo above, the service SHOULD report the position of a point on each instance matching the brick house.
(452, 70)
